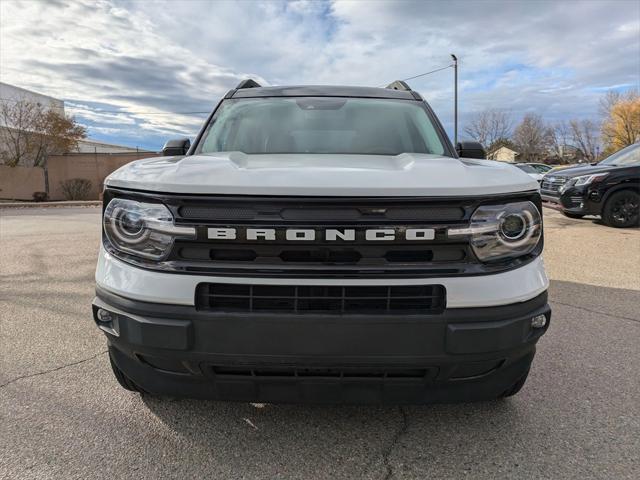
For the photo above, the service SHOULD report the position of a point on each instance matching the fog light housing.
(104, 316)
(107, 321)
(539, 321)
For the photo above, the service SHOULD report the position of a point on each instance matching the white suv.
(322, 244)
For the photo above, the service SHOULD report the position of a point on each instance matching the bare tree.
(608, 101)
(584, 134)
(489, 126)
(531, 137)
(29, 132)
(559, 139)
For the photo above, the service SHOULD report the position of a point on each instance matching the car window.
(542, 168)
(322, 125)
(526, 168)
(626, 157)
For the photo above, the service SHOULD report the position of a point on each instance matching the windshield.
(627, 156)
(361, 126)
(527, 168)
(541, 168)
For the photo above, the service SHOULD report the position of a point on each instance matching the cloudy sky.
(134, 72)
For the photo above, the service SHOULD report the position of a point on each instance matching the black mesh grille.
(329, 213)
(320, 214)
(425, 213)
(229, 297)
(365, 255)
(218, 213)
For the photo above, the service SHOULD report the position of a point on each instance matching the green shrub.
(40, 196)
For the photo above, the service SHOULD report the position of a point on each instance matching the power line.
(427, 73)
(423, 74)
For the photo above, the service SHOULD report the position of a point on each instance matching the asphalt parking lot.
(64, 416)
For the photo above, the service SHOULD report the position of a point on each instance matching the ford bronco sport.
(322, 244)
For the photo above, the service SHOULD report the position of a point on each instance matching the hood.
(235, 173)
(582, 170)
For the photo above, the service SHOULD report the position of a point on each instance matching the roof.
(8, 86)
(321, 91)
(88, 145)
(494, 150)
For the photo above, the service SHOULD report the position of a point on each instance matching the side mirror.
(470, 150)
(176, 147)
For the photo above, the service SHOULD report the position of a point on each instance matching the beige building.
(503, 154)
(11, 93)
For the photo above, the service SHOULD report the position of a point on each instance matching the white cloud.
(553, 58)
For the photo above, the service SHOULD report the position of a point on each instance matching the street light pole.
(455, 100)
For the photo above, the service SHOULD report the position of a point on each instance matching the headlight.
(142, 229)
(587, 179)
(503, 231)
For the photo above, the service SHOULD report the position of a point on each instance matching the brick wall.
(95, 167)
(19, 183)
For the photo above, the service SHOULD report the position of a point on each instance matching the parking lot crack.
(404, 425)
(51, 370)
(620, 317)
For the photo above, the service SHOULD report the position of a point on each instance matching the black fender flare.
(629, 184)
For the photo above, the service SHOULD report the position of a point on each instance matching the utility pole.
(455, 100)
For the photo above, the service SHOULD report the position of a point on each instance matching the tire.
(516, 387)
(621, 209)
(576, 216)
(124, 381)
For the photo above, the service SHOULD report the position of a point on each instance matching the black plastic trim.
(450, 315)
(461, 355)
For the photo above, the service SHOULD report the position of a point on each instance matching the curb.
(77, 203)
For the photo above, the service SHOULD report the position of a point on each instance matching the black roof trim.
(323, 91)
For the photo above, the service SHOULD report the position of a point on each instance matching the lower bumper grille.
(228, 297)
(552, 185)
(576, 202)
(323, 372)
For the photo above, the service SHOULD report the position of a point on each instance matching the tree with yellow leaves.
(621, 125)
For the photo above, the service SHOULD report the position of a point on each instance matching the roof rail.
(248, 83)
(399, 85)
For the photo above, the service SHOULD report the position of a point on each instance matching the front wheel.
(621, 209)
(575, 216)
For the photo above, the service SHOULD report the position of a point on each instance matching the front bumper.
(576, 200)
(513, 286)
(463, 354)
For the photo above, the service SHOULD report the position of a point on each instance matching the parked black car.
(610, 189)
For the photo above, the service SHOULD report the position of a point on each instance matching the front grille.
(553, 184)
(575, 202)
(285, 254)
(330, 213)
(338, 300)
(323, 257)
